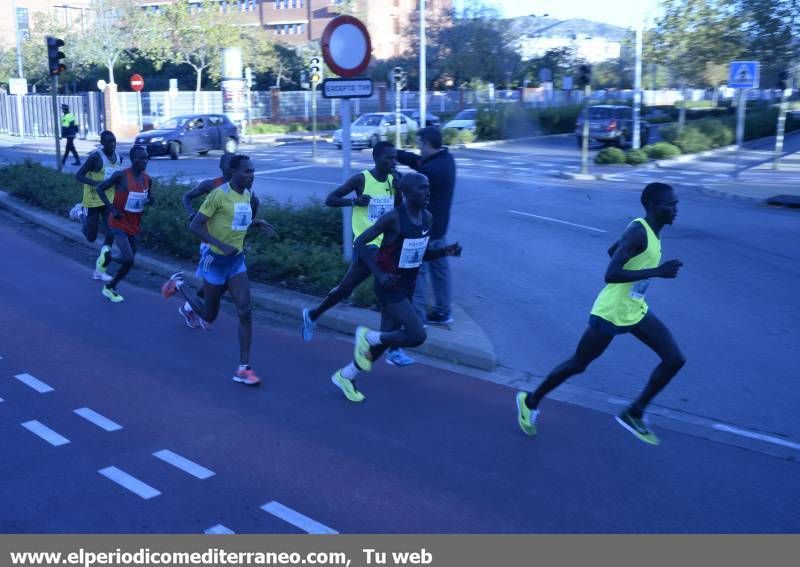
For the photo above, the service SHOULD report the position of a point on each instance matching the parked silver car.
(611, 125)
(371, 128)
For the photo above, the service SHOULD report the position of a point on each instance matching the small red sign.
(137, 82)
(346, 46)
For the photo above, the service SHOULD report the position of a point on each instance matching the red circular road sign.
(346, 46)
(137, 82)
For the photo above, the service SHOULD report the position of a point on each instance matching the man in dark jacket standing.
(437, 164)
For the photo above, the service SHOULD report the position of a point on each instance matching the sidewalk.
(462, 343)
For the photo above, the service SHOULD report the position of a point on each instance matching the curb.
(728, 196)
(466, 344)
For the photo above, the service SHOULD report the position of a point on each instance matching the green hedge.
(608, 156)
(513, 121)
(306, 256)
(662, 150)
(636, 157)
(691, 140)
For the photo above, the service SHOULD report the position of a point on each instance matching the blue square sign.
(743, 75)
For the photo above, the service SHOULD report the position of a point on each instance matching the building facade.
(17, 16)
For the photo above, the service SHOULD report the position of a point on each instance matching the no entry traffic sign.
(137, 82)
(346, 46)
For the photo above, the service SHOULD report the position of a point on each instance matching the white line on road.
(559, 221)
(131, 483)
(283, 169)
(296, 519)
(34, 383)
(99, 420)
(305, 180)
(45, 433)
(174, 459)
(219, 529)
(759, 436)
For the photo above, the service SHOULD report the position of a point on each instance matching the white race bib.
(379, 206)
(135, 202)
(242, 216)
(413, 252)
(638, 289)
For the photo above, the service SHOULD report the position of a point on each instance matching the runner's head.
(225, 165)
(384, 155)
(660, 202)
(429, 140)
(108, 141)
(416, 190)
(139, 158)
(242, 172)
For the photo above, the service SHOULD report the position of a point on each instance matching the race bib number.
(379, 206)
(135, 202)
(413, 252)
(242, 216)
(638, 289)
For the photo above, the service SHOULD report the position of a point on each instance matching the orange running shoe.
(172, 285)
(247, 377)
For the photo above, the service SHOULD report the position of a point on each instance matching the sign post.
(137, 84)
(346, 48)
(742, 75)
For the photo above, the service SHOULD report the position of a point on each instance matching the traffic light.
(315, 68)
(54, 56)
(783, 76)
(399, 77)
(585, 75)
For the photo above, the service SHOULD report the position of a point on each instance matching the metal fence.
(32, 115)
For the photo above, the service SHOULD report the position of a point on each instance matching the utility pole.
(54, 57)
(399, 79)
(315, 68)
(423, 111)
(585, 79)
(785, 86)
(637, 87)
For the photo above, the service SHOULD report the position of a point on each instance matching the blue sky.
(617, 12)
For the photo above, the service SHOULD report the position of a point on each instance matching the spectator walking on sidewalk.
(69, 129)
(437, 164)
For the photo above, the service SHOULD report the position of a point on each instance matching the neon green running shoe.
(526, 417)
(100, 264)
(347, 387)
(112, 294)
(361, 352)
(638, 427)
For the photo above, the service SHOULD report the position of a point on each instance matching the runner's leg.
(356, 274)
(652, 332)
(592, 344)
(239, 286)
(127, 249)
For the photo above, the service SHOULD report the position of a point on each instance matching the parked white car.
(371, 128)
(464, 120)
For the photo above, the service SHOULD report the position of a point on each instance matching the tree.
(770, 28)
(108, 37)
(696, 37)
(190, 34)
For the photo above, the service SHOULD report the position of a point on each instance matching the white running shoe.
(76, 212)
(102, 276)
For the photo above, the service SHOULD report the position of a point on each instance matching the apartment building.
(18, 16)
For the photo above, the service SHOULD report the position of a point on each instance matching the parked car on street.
(430, 119)
(190, 133)
(611, 125)
(464, 120)
(371, 128)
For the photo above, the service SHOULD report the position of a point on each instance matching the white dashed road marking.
(759, 436)
(45, 433)
(219, 529)
(99, 420)
(559, 221)
(184, 464)
(296, 519)
(129, 482)
(266, 171)
(34, 383)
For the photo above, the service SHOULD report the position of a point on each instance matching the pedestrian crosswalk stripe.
(197, 471)
(129, 482)
(296, 518)
(34, 383)
(37, 428)
(99, 420)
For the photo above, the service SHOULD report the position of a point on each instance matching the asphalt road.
(430, 451)
(535, 253)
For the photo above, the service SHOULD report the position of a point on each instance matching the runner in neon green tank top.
(375, 195)
(621, 308)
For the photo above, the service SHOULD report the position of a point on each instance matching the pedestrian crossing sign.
(743, 75)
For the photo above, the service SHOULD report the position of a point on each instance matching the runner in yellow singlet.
(621, 308)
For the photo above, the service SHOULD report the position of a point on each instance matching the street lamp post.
(637, 87)
(422, 66)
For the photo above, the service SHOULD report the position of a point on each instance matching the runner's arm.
(202, 188)
(632, 243)
(103, 185)
(90, 164)
(254, 204)
(386, 225)
(353, 185)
